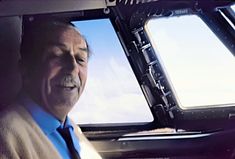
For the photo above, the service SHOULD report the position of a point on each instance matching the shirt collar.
(47, 122)
(67, 123)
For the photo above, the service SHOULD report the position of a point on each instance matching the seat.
(10, 80)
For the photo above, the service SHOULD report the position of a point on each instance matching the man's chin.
(60, 109)
(64, 100)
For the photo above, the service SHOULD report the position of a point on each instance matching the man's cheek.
(53, 71)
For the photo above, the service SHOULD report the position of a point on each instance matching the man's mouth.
(68, 83)
(68, 87)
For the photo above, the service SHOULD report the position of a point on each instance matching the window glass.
(233, 7)
(112, 93)
(199, 67)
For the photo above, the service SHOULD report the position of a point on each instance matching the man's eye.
(79, 60)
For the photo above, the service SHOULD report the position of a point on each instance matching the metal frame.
(25, 7)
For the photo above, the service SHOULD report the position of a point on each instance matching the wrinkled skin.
(61, 72)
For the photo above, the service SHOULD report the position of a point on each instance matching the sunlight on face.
(62, 74)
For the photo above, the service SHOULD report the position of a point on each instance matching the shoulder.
(15, 122)
(12, 133)
(21, 137)
(13, 117)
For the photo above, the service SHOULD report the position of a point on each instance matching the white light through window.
(199, 67)
(112, 93)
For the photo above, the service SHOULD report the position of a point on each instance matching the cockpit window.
(233, 7)
(198, 66)
(112, 93)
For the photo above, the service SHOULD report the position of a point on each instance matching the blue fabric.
(49, 125)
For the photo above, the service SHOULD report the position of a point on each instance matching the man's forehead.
(66, 38)
(48, 27)
(45, 33)
(61, 34)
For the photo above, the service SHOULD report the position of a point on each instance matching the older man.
(54, 59)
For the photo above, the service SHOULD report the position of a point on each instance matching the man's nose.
(71, 65)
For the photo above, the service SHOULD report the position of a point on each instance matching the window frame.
(172, 115)
(127, 24)
(189, 12)
(212, 16)
(103, 53)
(126, 21)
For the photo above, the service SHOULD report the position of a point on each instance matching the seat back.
(10, 81)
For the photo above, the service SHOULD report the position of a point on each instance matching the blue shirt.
(49, 124)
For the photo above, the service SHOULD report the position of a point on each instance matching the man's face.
(62, 73)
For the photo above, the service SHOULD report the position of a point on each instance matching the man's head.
(54, 63)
